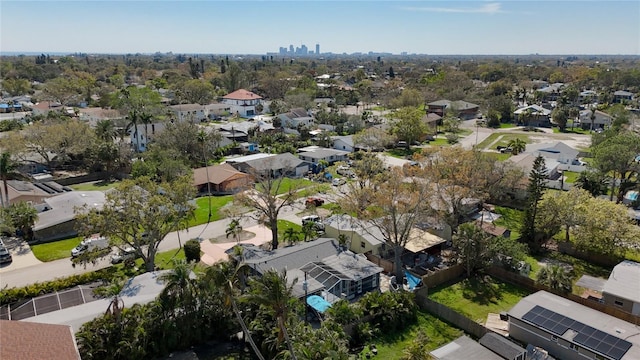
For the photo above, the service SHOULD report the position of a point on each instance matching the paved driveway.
(21, 254)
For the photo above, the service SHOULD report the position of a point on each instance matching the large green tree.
(615, 155)
(408, 125)
(472, 247)
(140, 213)
(23, 216)
(535, 191)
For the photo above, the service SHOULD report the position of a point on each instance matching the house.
(220, 179)
(44, 107)
(32, 193)
(622, 289)
(558, 151)
(316, 154)
(193, 113)
(622, 96)
(431, 121)
(295, 118)
(27, 340)
(242, 102)
(493, 229)
(464, 110)
(571, 331)
(329, 269)
(238, 131)
(502, 346)
(142, 135)
(601, 120)
(343, 143)
(550, 92)
(463, 348)
(285, 164)
(362, 237)
(525, 162)
(56, 219)
(588, 97)
(533, 115)
(94, 114)
(217, 111)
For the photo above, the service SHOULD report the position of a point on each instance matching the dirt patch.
(244, 235)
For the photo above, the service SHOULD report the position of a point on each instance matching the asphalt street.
(24, 270)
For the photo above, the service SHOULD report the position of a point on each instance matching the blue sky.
(257, 27)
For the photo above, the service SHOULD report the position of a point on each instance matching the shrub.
(452, 138)
(192, 250)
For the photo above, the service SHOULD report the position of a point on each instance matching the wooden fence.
(435, 278)
(387, 265)
(531, 285)
(446, 313)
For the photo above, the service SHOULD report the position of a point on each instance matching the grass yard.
(55, 250)
(501, 139)
(476, 297)
(288, 183)
(510, 219)
(570, 176)
(464, 132)
(499, 156)
(283, 225)
(439, 141)
(507, 126)
(391, 346)
(402, 153)
(202, 210)
(313, 190)
(95, 185)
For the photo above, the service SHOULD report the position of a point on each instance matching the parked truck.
(93, 242)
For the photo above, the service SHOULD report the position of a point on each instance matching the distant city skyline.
(514, 27)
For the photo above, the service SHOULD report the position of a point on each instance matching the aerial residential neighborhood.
(225, 203)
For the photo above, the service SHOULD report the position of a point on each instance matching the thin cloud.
(489, 8)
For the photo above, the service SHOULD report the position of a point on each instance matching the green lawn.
(507, 125)
(55, 250)
(439, 141)
(283, 225)
(391, 345)
(288, 183)
(510, 219)
(95, 185)
(402, 153)
(499, 156)
(570, 176)
(475, 298)
(202, 211)
(464, 132)
(504, 140)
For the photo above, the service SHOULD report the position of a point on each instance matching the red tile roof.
(21, 340)
(242, 94)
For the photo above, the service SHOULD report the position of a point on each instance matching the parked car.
(338, 181)
(125, 254)
(315, 220)
(94, 242)
(5, 255)
(313, 201)
(343, 170)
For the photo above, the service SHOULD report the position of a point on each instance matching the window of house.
(554, 338)
(574, 347)
(362, 244)
(618, 303)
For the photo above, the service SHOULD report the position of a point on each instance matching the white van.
(91, 243)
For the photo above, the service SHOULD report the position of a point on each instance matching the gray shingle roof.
(501, 345)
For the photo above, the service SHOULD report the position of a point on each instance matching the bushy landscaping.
(476, 297)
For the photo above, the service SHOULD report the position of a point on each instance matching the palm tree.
(291, 235)
(234, 229)
(225, 275)
(308, 230)
(274, 294)
(202, 137)
(133, 119)
(113, 291)
(555, 277)
(106, 130)
(517, 146)
(146, 119)
(6, 167)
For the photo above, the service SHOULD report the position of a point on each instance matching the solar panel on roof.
(586, 335)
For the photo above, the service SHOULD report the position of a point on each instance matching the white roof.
(63, 207)
(624, 281)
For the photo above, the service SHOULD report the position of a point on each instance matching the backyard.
(392, 345)
(476, 297)
(95, 185)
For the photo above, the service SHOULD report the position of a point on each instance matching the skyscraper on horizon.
(317, 49)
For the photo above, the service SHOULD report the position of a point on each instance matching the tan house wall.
(610, 299)
(355, 241)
